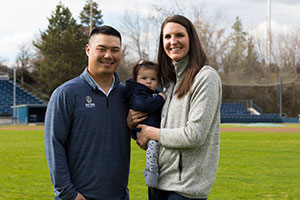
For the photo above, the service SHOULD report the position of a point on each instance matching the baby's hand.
(163, 95)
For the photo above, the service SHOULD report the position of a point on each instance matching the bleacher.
(231, 112)
(22, 97)
(237, 113)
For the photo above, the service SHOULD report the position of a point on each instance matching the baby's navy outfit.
(143, 99)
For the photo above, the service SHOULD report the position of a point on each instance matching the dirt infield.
(261, 129)
(223, 129)
(16, 127)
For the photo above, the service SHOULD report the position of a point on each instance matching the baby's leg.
(151, 171)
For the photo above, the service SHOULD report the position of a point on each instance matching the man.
(87, 141)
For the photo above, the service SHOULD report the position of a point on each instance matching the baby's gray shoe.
(151, 176)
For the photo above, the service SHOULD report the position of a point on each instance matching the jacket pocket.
(180, 165)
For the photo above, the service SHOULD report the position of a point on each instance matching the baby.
(144, 96)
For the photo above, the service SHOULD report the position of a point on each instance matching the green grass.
(285, 125)
(260, 166)
(23, 167)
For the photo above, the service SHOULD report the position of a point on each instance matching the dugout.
(29, 113)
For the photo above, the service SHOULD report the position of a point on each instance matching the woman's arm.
(203, 111)
(205, 101)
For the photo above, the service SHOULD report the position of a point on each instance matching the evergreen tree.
(252, 67)
(61, 51)
(85, 16)
(236, 56)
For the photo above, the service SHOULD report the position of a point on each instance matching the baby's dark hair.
(144, 64)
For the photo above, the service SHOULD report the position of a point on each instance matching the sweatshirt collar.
(88, 78)
(180, 66)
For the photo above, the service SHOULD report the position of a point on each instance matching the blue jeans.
(155, 194)
(57, 198)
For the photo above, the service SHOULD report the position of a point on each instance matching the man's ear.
(87, 49)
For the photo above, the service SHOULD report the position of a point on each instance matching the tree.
(61, 51)
(213, 37)
(252, 68)
(141, 30)
(236, 56)
(23, 62)
(287, 53)
(85, 15)
(136, 30)
(5, 69)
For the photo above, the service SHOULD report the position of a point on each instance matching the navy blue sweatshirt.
(87, 142)
(144, 99)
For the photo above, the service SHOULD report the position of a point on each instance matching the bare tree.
(23, 61)
(142, 29)
(4, 69)
(260, 46)
(214, 38)
(286, 50)
(212, 32)
(136, 29)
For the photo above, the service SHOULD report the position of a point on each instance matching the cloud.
(277, 29)
(294, 2)
(9, 45)
(287, 2)
(18, 17)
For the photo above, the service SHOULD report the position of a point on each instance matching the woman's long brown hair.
(197, 58)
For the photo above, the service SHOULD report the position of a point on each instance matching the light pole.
(269, 35)
(280, 98)
(91, 15)
(14, 96)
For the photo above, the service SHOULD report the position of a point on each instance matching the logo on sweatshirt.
(89, 102)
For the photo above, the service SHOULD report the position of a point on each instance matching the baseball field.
(257, 162)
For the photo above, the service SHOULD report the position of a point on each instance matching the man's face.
(104, 52)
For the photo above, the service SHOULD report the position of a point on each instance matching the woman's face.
(176, 41)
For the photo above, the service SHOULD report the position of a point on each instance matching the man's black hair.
(106, 30)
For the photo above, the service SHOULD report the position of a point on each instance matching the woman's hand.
(163, 95)
(80, 197)
(134, 117)
(147, 133)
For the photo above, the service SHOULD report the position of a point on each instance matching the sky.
(22, 21)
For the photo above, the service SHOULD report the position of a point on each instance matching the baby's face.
(148, 77)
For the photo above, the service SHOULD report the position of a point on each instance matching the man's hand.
(135, 117)
(80, 197)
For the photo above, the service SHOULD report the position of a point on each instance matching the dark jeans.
(155, 194)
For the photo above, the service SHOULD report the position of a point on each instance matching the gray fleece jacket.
(189, 137)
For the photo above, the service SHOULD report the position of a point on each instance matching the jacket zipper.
(180, 165)
(107, 102)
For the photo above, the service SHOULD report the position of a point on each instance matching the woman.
(189, 136)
